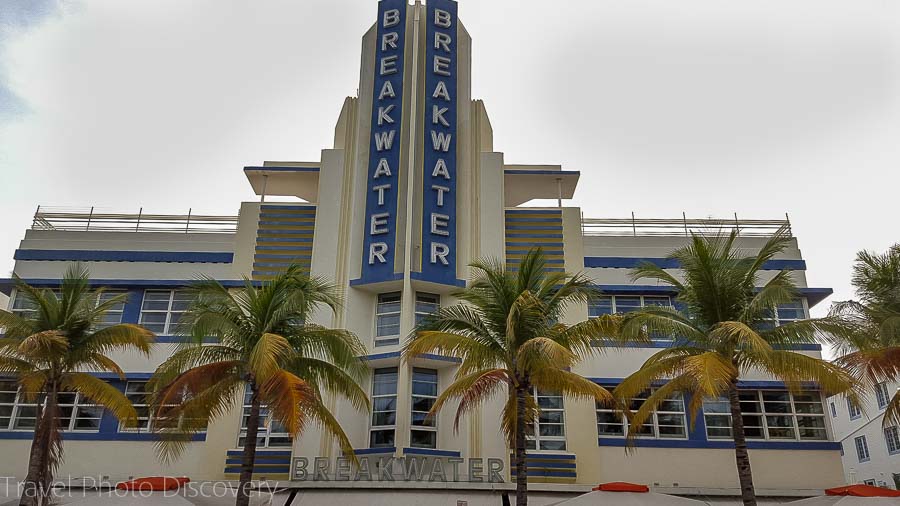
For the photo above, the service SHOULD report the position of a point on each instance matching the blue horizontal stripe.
(263, 247)
(549, 456)
(551, 474)
(537, 236)
(261, 451)
(671, 263)
(305, 222)
(524, 251)
(259, 470)
(281, 265)
(547, 260)
(365, 281)
(548, 269)
(429, 451)
(667, 343)
(753, 445)
(549, 465)
(123, 256)
(259, 256)
(542, 172)
(461, 283)
(288, 215)
(374, 451)
(270, 231)
(97, 436)
(536, 220)
(396, 354)
(287, 240)
(529, 245)
(261, 461)
(742, 384)
(281, 169)
(533, 211)
(269, 207)
(534, 227)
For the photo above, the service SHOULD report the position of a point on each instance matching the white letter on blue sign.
(440, 91)
(389, 65)
(439, 251)
(438, 221)
(440, 195)
(379, 222)
(391, 18)
(437, 115)
(390, 40)
(387, 90)
(441, 66)
(440, 169)
(384, 115)
(441, 18)
(440, 141)
(380, 189)
(382, 169)
(377, 251)
(384, 140)
(441, 40)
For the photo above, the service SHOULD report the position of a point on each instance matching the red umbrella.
(863, 491)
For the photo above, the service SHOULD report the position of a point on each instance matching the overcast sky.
(710, 107)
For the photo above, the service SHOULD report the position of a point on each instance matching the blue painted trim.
(551, 474)
(528, 245)
(549, 456)
(265, 256)
(263, 247)
(742, 384)
(260, 470)
(262, 452)
(420, 277)
(296, 218)
(261, 460)
(534, 227)
(290, 232)
(537, 236)
(379, 356)
(722, 444)
(279, 265)
(548, 260)
(304, 221)
(281, 169)
(267, 207)
(374, 451)
(9, 283)
(97, 436)
(542, 172)
(534, 220)
(429, 451)
(548, 269)
(288, 240)
(533, 211)
(396, 354)
(554, 465)
(666, 343)
(60, 255)
(671, 263)
(369, 281)
(183, 339)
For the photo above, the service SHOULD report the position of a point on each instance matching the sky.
(707, 107)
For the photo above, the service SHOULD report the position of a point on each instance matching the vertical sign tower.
(384, 148)
(439, 152)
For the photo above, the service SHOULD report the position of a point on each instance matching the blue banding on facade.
(374, 451)
(671, 263)
(533, 211)
(717, 444)
(60, 255)
(430, 452)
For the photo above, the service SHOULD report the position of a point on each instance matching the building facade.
(409, 194)
(870, 451)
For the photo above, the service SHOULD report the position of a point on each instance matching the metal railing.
(683, 227)
(98, 220)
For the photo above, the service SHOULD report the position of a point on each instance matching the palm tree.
(724, 330)
(53, 349)
(266, 344)
(872, 353)
(508, 335)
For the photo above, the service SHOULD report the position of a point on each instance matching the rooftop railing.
(684, 226)
(98, 220)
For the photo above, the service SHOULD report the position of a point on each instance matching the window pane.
(422, 403)
(423, 439)
(627, 304)
(384, 418)
(554, 445)
(657, 301)
(550, 402)
(600, 306)
(381, 438)
(384, 404)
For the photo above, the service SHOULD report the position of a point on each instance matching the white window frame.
(853, 410)
(536, 438)
(138, 398)
(432, 428)
(833, 409)
(431, 303)
(169, 326)
(389, 427)
(862, 449)
(387, 339)
(79, 406)
(614, 306)
(892, 440)
(881, 395)
(764, 416)
(652, 422)
(267, 435)
(100, 296)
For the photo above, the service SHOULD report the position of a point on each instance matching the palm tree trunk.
(742, 457)
(521, 464)
(249, 456)
(37, 482)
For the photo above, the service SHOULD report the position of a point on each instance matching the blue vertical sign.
(384, 149)
(439, 191)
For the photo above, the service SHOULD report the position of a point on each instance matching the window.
(426, 304)
(387, 319)
(892, 438)
(26, 309)
(384, 408)
(270, 433)
(853, 409)
(833, 411)
(667, 422)
(862, 449)
(162, 309)
(424, 393)
(870, 482)
(769, 414)
(550, 430)
(790, 312)
(137, 394)
(611, 304)
(77, 413)
(896, 477)
(881, 395)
